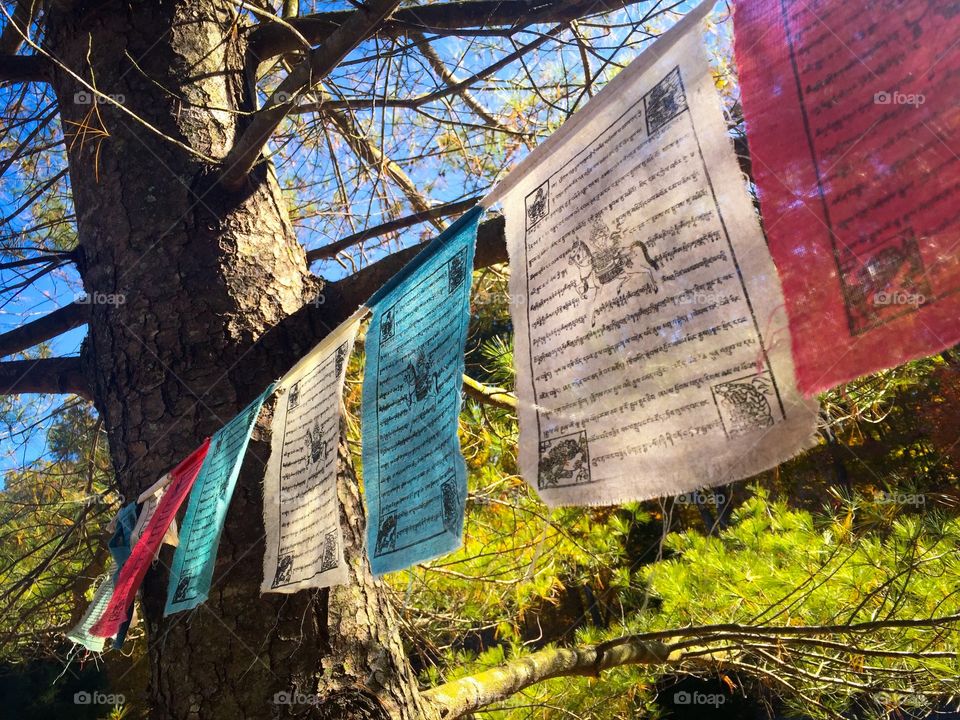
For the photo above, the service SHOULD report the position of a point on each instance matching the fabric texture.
(414, 474)
(196, 554)
(301, 512)
(855, 146)
(650, 339)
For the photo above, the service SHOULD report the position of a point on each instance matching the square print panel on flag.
(651, 348)
(852, 116)
(414, 474)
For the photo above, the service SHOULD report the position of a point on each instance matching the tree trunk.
(185, 279)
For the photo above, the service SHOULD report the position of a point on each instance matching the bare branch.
(48, 375)
(468, 694)
(445, 210)
(24, 68)
(344, 296)
(356, 27)
(11, 39)
(272, 39)
(494, 396)
(49, 326)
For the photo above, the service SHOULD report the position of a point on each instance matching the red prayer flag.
(131, 575)
(854, 131)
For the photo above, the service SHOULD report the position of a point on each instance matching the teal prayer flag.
(196, 554)
(414, 473)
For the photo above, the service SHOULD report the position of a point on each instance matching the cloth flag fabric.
(150, 500)
(80, 633)
(120, 545)
(650, 342)
(414, 474)
(301, 512)
(196, 554)
(851, 113)
(143, 552)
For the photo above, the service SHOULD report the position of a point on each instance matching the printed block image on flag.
(301, 511)
(196, 554)
(143, 552)
(414, 474)
(650, 344)
(854, 133)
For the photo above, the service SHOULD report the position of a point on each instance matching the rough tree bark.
(204, 273)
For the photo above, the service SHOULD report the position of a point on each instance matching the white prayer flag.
(301, 511)
(80, 633)
(150, 498)
(651, 346)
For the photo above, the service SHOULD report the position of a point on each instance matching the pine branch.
(49, 326)
(356, 27)
(62, 376)
(469, 694)
(24, 68)
(494, 396)
(494, 17)
(437, 211)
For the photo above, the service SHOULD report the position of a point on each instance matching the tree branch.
(290, 339)
(49, 326)
(344, 296)
(11, 39)
(48, 375)
(24, 68)
(468, 694)
(438, 211)
(489, 395)
(271, 39)
(356, 27)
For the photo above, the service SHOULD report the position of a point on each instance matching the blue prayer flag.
(119, 545)
(194, 558)
(414, 473)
